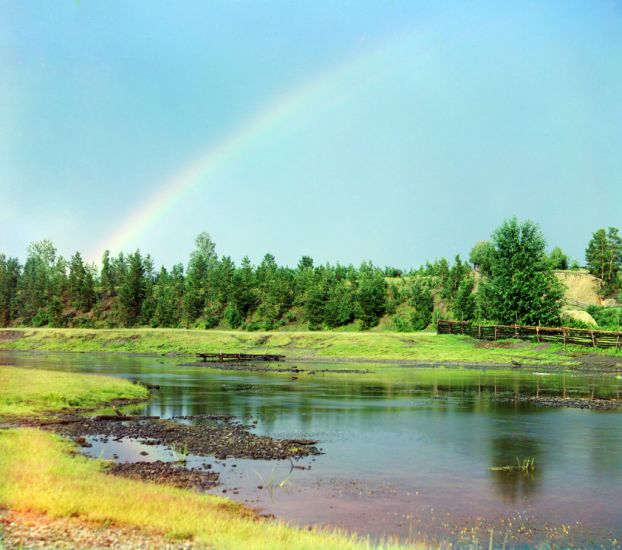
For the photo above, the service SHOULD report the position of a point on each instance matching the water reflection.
(510, 450)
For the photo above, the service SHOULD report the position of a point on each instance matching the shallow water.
(407, 449)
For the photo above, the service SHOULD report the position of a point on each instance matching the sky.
(396, 131)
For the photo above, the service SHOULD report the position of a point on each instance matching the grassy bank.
(422, 346)
(26, 392)
(40, 473)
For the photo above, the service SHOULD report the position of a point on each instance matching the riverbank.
(43, 477)
(422, 347)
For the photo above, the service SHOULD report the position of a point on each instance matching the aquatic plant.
(180, 452)
(524, 465)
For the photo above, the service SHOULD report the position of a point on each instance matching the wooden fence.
(564, 335)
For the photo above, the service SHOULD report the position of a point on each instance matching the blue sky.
(435, 121)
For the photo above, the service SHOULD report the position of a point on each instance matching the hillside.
(581, 288)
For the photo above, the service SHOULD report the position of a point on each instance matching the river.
(407, 450)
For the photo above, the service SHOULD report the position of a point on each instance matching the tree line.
(508, 279)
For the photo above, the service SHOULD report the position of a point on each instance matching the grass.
(422, 346)
(26, 392)
(40, 474)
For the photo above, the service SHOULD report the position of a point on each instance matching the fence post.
(495, 332)
(564, 333)
(593, 339)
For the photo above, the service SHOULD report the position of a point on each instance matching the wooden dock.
(563, 335)
(239, 357)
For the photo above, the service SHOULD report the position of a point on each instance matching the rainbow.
(199, 170)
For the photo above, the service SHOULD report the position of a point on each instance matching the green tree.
(315, 303)
(558, 259)
(464, 306)
(42, 279)
(423, 303)
(597, 254)
(521, 287)
(168, 292)
(10, 272)
(604, 259)
(233, 316)
(106, 278)
(133, 290)
(339, 308)
(245, 289)
(81, 286)
(202, 261)
(371, 295)
(481, 257)
(457, 273)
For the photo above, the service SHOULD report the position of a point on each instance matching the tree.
(245, 289)
(10, 272)
(339, 308)
(558, 259)
(604, 259)
(133, 290)
(315, 303)
(202, 260)
(423, 303)
(107, 279)
(481, 257)
(456, 274)
(464, 306)
(371, 295)
(521, 287)
(597, 254)
(81, 286)
(41, 280)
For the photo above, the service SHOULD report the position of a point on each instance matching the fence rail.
(564, 335)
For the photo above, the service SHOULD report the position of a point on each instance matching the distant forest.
(506, 279)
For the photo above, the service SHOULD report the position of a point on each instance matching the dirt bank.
(22, 530)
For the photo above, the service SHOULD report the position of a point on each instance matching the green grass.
(421, 346)
(26, 392)
(39, 473)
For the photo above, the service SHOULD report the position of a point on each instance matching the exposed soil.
(221, 437)
(487, 344)
(26, 530)
(170, 473)
(10, 335)
(599, 361)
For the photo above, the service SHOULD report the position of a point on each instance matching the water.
(407, 450)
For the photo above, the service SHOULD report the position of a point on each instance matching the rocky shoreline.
(219, 436)
(571, 402)
(172, 473)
